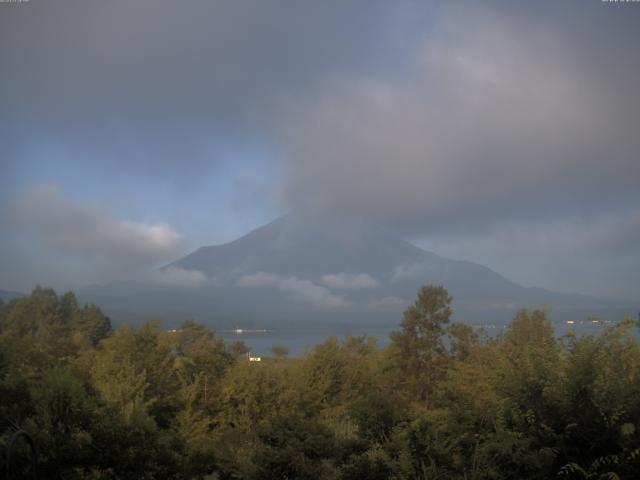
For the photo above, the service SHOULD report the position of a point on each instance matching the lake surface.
(300, 341)
(297, 341)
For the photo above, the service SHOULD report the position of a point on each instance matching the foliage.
(418, 346)
(441, 401)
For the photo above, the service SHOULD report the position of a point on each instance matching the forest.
(442, 401)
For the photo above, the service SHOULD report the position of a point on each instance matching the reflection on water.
(298, 342)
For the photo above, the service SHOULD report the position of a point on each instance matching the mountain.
(292, 272)
(8, 295)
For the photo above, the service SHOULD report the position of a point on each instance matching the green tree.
(462, 339)
(280, 351)
(61, 422)
(292, 446)
(418, 345)
(530, 328)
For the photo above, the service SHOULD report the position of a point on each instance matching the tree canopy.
(441, 401)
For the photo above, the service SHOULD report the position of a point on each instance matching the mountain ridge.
(8, 295)
(293, 271)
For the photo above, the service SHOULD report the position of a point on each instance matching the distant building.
(253, 359)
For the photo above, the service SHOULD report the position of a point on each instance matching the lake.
(299, 341)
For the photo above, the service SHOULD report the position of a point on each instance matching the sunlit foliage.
(441, 401)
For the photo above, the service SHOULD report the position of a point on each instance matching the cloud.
(180, 277)
(350, 281)
(389, 302)
(425, 117)
(304, 290)
(502, 116)
(162, 83)
(260, 279)
(602, 235)
(409, 272)
(63, 226)
(598, 254)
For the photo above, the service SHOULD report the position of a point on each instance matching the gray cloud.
(598, 254)
(298, 289)
(502, 117)
(410, 271)
(173, 84)
(180, 277)
(453, 121)
(389, 302)
(61, 226)
(350, 281)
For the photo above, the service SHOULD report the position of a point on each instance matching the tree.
(462, 339)
(90, 325)
(530, 328)
(418, 345)
(293, 446)
(62, 411)
(280, 351)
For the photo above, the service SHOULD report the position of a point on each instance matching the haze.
(133, 133)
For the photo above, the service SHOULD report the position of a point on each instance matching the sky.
(132, 133)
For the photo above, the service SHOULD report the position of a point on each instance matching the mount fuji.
(293, 272)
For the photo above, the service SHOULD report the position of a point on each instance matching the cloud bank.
(501, 117)
(61, 226)
(180, 277)
(597, 254)
(349, 281)
(442, 120)
(172, 84)
(298, 289)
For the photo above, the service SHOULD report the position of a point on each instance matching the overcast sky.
(506, 133)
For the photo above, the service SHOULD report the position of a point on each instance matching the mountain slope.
(8, 295)
(291, 271)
